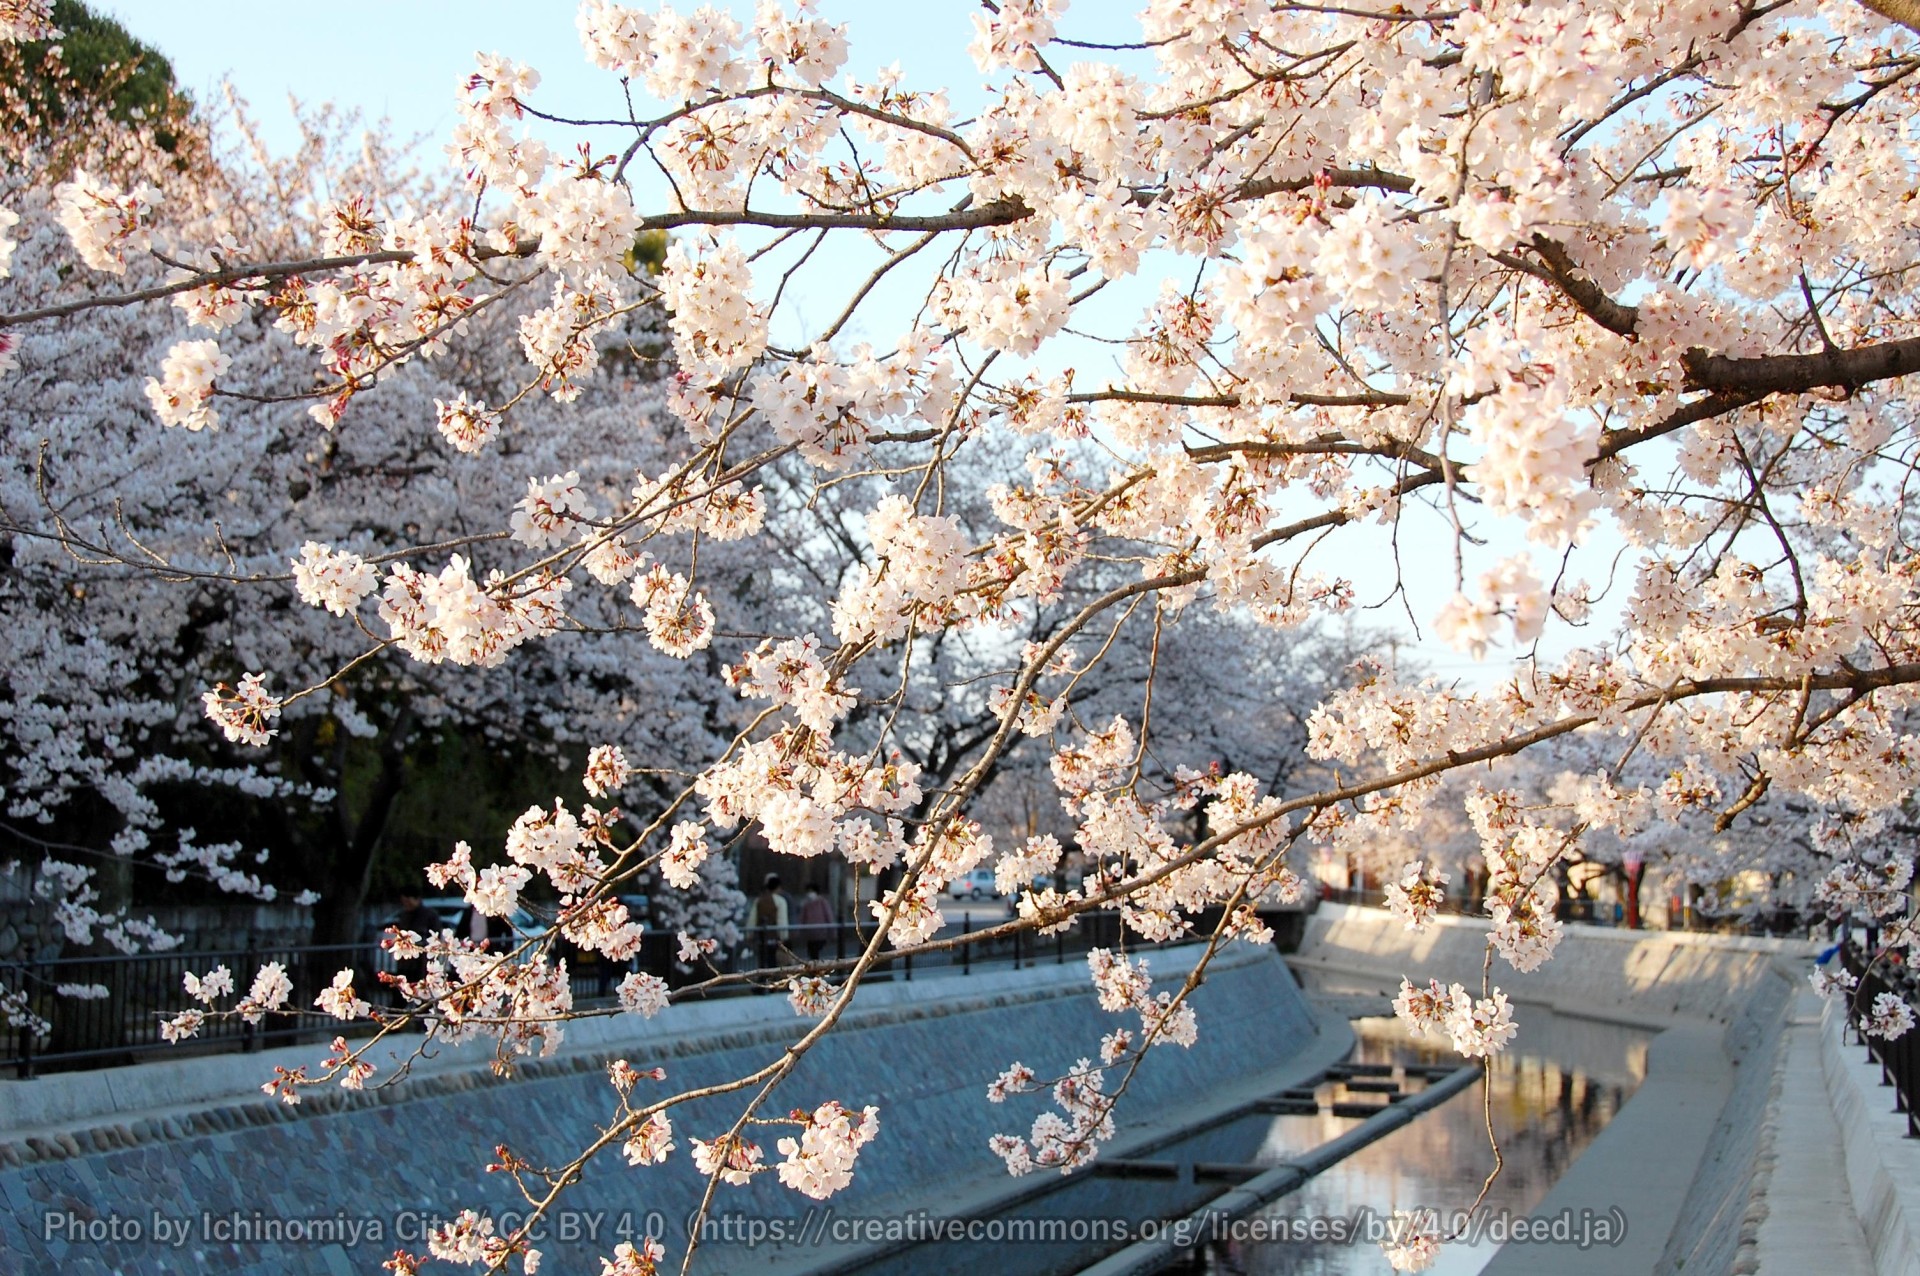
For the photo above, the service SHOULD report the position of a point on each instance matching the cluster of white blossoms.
(1013, 314)
(451, 617)
(1412, 1243)
(651, 1143)
(607, 771)
(1069, 1138)
(1415, 898)
(467, 423)
(243, 712)
(24, 20)
(269, 993)
(686, 854)
(326, 577)
(810, 995)
(1165, 1019)
(678, 618)
(1010, 35)
(1063, 1140)
(560, 340)
(922, 564)
(1829, 984)
(1888, 1017)
(1509, 591)
(484, 142)
(1031, 714)
(629, 1259)
(1519, 853)
(105, 222)
(717, 327)
(820, 1162)
(183, 393)
(470, 1240)
(340, 1000)
(583, 223)
(1534, 462)
(551, 510)
(1478, 1027)
(791, 674)
(1869, 890)
(643, 994)
(730, 1159)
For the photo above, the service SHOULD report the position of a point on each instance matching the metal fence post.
(249, 1037)
(26, 1031)
(966, 949)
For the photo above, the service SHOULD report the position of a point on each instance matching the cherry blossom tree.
(143, 572)
(1612, 303)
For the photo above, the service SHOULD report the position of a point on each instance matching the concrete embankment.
(92, 1165)
(1681, 1158)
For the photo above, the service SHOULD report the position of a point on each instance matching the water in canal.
(1553, 1090)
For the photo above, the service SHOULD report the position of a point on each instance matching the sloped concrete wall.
(1641, 977)
(923, 1051)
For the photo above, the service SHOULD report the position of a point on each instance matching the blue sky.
(401, 61)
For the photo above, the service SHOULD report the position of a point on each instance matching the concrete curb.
(1882, 1165)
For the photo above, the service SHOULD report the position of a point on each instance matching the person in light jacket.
(816, 918)
(769, 920)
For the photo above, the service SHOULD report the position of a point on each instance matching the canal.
(1554, 1089)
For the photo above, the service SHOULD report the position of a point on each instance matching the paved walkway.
(1810, 1224)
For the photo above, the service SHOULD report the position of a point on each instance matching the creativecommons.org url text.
(1581, 1229)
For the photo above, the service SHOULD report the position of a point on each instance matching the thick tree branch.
(1001, 212)
(1799, 373)
(203, 279)
(1557, 267)
(1905, 12)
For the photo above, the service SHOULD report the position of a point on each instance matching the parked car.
(977, 884)
(451, 908)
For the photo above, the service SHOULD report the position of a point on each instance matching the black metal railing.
(1899, 1059)
(138, 992)
(768, 946)
(143, 990)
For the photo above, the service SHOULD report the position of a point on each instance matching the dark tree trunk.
(354, 839)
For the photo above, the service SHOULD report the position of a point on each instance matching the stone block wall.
(922, 1050)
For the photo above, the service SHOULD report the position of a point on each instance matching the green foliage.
(97, 64)
(649, 252)
(460, 786)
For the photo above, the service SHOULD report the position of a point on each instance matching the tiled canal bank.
(1691, 1157)
(92, 1165)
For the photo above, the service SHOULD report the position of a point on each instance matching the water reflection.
(1553, 1090)
(1545, 1107)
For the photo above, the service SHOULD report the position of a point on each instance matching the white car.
(977, 884)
